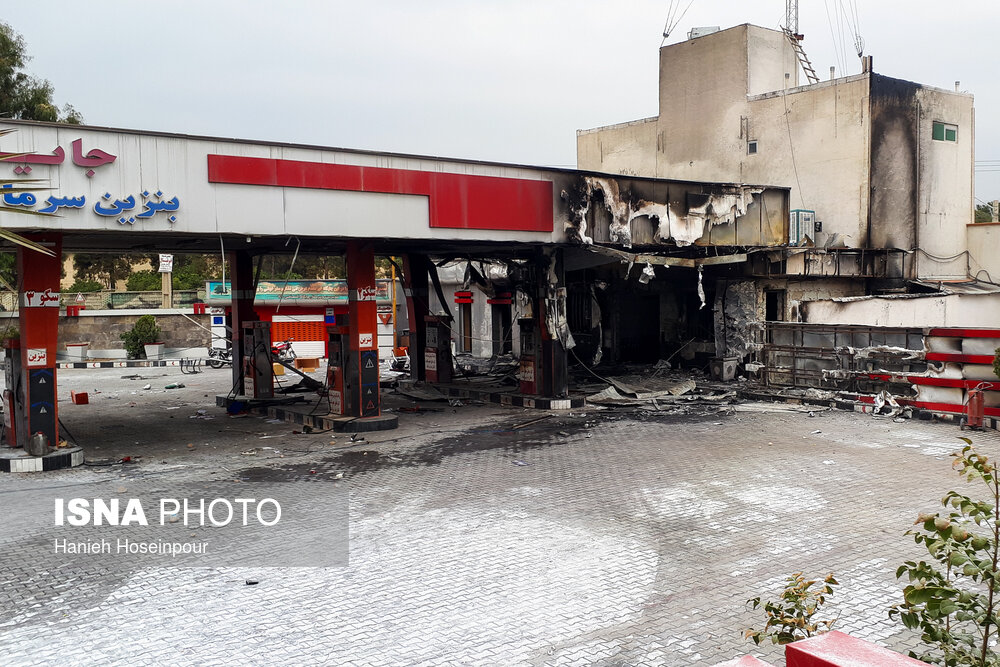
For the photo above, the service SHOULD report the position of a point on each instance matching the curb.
(841, 403)
(515, 400)
(132, 363)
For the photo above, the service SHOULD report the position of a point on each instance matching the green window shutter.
(950, 134)
(938, 133)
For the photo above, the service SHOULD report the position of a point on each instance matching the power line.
(833, 37)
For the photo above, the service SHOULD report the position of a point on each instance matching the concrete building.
(875, 163)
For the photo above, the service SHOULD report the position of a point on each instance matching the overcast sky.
(497, 80)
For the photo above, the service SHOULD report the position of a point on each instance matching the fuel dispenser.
(336, 355)
(437, 350)
(352, 371)
(14, 398)
(529, 356)
(258, 378)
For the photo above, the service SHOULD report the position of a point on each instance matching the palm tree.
(20, 186)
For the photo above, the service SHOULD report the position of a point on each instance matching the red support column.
(38, 320)
(361, 392)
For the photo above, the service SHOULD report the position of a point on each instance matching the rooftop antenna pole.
(792, 16)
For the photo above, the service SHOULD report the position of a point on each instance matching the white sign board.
(38, 357)
(528, 372)
(430, 360)
(166, 263)
(366, 341)
(48, 299)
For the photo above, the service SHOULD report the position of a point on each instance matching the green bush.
(85, 286)
(144, 281)
(143, 332)
(791, 617)
(952, 597)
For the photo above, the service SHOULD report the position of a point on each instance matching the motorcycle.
(283, 351)
(219, 356)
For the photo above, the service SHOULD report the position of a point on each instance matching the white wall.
(956, 310)
(946, 184)
(984, 247)
(857, 150)
(177, 166)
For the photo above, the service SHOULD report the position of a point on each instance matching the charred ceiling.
(627, 212)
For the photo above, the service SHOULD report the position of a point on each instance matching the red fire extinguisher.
(974, 406)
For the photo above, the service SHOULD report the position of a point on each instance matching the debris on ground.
(365, 455)
(425, 393)
(530, 422)
(417, 409)
(756, 406)
(174, 385)
(886, 405)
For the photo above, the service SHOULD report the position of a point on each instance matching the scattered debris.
(774, 407)
(530, 422)
(426, 393)
(366, 455)
(519, 462)
(174, 385)
(147, 387)
(455, 403)
(885, 404)
(252, 582)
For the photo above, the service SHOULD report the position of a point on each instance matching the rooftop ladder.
(801, 55)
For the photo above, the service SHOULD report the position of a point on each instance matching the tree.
(24, 96)
(8, 271)
(104, 268)
(984, 213)
(276, 267)
(144, 281)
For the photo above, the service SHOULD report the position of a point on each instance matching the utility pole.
(166, 282)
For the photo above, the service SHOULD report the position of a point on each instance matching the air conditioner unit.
(801, 223)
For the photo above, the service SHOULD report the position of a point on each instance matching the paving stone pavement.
(626, 541)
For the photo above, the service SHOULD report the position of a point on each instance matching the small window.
(944, 132)
(752, 147)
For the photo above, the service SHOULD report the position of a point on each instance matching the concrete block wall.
(103, 329)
